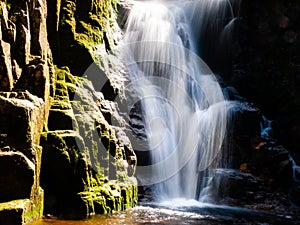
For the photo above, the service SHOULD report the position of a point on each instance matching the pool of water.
(170, 213)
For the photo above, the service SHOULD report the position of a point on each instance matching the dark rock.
(294, 190)
(274, 164)
(17, 175)
(244, 126)
(258, 69)
(233, 184)
(61, 120)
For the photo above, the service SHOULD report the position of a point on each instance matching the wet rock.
(124, 7)
(233, 184)
(243, 127)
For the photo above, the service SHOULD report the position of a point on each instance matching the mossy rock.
(61, 88)
(61, 102)
(109, 197)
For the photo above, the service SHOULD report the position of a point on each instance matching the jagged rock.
(64, 178)
(35, 78)
(61, 120)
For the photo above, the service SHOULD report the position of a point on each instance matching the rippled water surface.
(171, 213)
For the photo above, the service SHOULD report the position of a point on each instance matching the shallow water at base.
(169, 213)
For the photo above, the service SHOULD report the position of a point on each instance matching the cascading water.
(183, 107)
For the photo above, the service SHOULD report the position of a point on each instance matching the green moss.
(61, 102)
(60, 74)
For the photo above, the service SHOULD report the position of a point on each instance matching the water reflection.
(188, 213)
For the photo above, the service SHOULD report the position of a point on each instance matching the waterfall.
(182, 104)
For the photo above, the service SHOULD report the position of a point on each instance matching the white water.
(183, 107)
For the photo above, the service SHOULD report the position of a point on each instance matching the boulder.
(243, 126)
(17, 175)
(229, 183)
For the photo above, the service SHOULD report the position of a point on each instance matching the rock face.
(24, 106)
(92, 162)
(57, 131)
